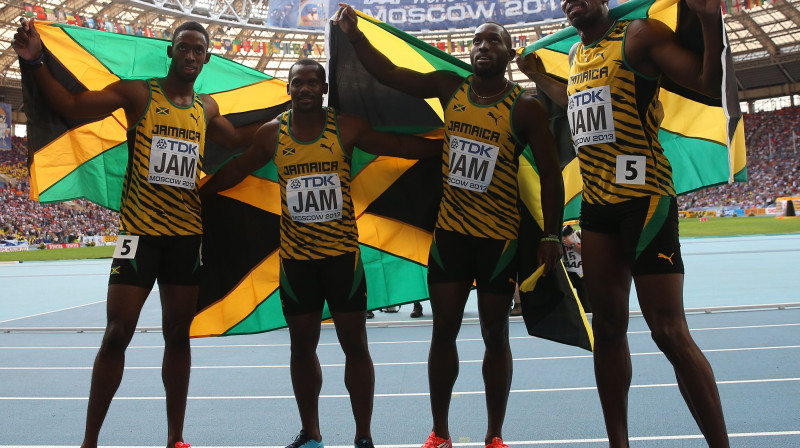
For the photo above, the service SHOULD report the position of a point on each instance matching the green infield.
(690, 227)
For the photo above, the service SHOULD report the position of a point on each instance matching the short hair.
(506, 35)
(190, 26)
(567, 231)
(311, 63)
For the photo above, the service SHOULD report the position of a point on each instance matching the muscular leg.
(122, 309)
(178, 305)
(447, 304)
(497, 364)
(608, 281)
(359, 373)
(661, 299)
(305, 369)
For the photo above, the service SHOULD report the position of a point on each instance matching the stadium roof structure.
(765, 40)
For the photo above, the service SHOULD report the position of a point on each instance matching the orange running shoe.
(182, 445)
(437, 442)
(497, 442)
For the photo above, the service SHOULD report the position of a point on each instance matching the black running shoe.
(364, 442)
(303, 441)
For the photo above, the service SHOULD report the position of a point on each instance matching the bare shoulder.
(528, 106)
(647, 33)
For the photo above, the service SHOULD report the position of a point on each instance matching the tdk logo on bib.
(591, 117)
(314, 198)
(173, 162)
(471, 164)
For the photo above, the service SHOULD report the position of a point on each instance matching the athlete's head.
(567, 230)
(189, 51)
(491, 50)
(583, 13)
(307, 84)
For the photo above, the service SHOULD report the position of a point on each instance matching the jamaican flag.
(703, 137)
(355, 91)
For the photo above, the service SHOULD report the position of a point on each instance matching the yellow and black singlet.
(479, 167)
(165, 155)
(317, 217)
(614, 116)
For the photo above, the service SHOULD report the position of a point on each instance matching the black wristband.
(38, 63)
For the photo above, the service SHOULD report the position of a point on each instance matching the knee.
(672, 339)
(609, 329)
(495, 339)
(176, 335)
(116, 337)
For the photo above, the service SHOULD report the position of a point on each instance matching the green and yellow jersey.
(317, 216)
(159, 196)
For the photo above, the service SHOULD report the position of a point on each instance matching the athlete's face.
(189, 52)
(491, 52)
(306, 87)
(583, 13)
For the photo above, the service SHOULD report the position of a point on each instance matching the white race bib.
(314, 198)
(591, 117)
(173, 162)
(631, 170)
(126, 247)
(471, 164)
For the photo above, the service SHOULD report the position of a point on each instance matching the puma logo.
(328, 147)
(191, 114)
(660, 255)
(491, 115)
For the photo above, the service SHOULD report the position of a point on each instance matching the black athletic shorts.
(490, 263)
(307, 284)
(140, 260)
(648, 228)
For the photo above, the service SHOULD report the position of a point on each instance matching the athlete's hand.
(549, 255)
(347, 19)
(27, 42)
(529, 65)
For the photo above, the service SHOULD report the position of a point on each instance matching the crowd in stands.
(773, 170)
(773, 164)
(26, 220)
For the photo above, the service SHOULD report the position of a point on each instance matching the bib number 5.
(126, 247)
(631, 170)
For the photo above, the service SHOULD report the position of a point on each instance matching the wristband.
(550, 239)
(34, 64)
(357, 39)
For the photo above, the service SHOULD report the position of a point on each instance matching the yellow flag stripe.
(252, 97)
(262, 193)
(373, 180)
(400, 53)
(251, 291)
(64, 154)
(693, 119)
(396, 237)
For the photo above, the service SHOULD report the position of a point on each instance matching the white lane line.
(399, 363)
(398, 395)
(508, 442)
(53, 311)
(200, 345)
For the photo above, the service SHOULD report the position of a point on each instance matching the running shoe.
(437, 442)
(364, 442)
(497, 442)
(182, 445)
(303, 441)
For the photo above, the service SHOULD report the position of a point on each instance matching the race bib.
(126, 247)
(631, 170)
(314, 198)
(591, 117)
(471, 164)
(173, 162)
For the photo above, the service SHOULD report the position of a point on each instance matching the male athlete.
(168, 123)
(312, 147)
(629, 214)
(488, 122)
